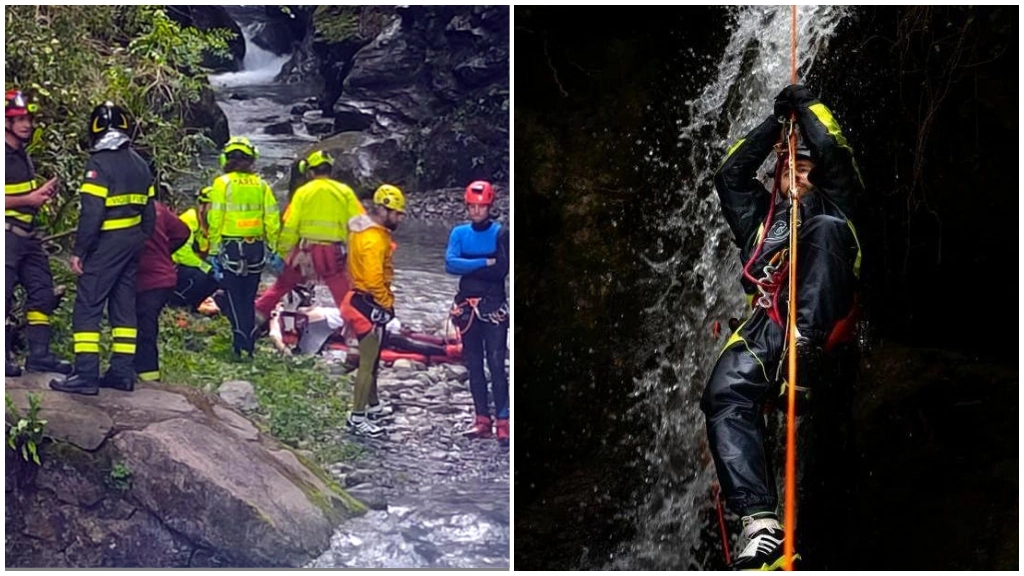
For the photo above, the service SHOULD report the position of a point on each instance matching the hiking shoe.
(12, 370)
(763, 549)
(501, 430)
(379, 411)
(481, 428)
(360, 425)
(77, 384)
(48, 363)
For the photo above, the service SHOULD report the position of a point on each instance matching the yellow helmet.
(315, 159)
(391, 197)
(241, 144)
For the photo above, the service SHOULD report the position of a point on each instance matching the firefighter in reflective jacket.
(244, 225)
(314, 235)
(196, 279)
(26, 261)
(116, 219)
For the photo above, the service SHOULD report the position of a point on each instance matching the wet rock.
(403, 363)
(239, 394)
(456, 372)
(172, 486)
(320, 127)
(373, 498)
(356, 478)
(279, 128)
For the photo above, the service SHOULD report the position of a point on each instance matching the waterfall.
(700, 287)
(259, 66)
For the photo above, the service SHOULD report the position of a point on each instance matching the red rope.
(794, 210)
(721, 524)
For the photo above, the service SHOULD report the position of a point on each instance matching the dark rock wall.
(927, 97)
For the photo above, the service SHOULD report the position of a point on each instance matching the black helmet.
(106, 117)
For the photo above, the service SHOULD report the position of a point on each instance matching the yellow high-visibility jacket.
(370, 259)
(319, 211)
(242, 205)
(186, 255)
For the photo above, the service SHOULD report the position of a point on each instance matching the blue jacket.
(469, 247)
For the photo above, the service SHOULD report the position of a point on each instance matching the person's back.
(244, 226)
(313, 242)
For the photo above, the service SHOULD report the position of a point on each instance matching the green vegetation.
(339, 23)
(25, 436)
(120, 477)
(71, 58)
(300, 403)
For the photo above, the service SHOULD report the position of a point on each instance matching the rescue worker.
(156, 281)
(26, 261)
(370, 304)
(752, 365)
(196, 278)
(116, 218)
(244, 225)
(478, 251)
(313, 238)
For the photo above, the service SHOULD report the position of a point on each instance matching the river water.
(437, 499)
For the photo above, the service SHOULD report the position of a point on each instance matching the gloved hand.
(789, 99)
(276, 264)
(215, 269)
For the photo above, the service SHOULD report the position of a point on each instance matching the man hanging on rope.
(752, 365)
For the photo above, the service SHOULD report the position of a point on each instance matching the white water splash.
(259, 66)
(704, 287)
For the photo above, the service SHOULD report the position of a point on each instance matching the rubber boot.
(123, 383)
(11, 369)
(77, 384)
(502, 432)
(40, 358)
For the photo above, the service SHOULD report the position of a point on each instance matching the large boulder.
(434, 80)
(207, 116)
(161, 477)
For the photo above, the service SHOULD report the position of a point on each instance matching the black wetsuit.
(746, 373)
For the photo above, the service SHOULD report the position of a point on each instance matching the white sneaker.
(360, 425)
(763, 549)
(379, 410)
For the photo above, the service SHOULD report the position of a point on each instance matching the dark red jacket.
(156, 270)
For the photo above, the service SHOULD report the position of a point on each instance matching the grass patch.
(300, 403)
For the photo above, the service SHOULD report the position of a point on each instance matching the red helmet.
(480, 192)
(17, 104)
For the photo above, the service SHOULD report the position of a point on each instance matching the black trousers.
(242, 263)
(486, 340)
(28, 264)
(108, 281)
(744, 377)
(148, 305)
(194, 286)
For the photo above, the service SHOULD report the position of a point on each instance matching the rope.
(721, 524)
(794, 212)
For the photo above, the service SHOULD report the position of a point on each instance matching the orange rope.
(794, 212)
